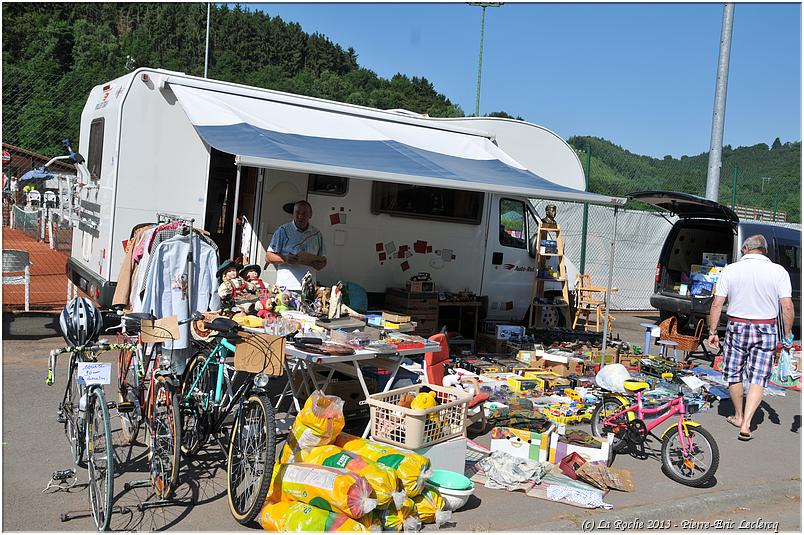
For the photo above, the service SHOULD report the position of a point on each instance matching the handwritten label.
(94, 373)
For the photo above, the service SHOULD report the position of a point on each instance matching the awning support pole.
(234, 213)
(608, 292)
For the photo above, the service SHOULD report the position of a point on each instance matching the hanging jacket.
(166, 284)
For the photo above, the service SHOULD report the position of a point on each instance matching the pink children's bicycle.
(689, 453)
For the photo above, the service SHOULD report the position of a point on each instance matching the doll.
(231, 285)
(261, 301)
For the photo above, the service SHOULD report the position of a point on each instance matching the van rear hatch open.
(686, 205)
(704, 227)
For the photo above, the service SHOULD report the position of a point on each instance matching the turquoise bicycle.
(211, 390)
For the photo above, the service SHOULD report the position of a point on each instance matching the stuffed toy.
(261, 302)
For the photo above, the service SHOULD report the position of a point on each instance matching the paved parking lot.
(34, 445)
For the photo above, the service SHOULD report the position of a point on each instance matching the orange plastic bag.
(298, 516)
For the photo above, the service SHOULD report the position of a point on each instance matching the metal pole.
(234, 212)
(206, 50)
(480, 61)
(484, 5)
(734, 188)
(608, 292)
(585, 210)
(719, 114)
(775, 206)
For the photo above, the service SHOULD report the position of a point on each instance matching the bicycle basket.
(260, 353)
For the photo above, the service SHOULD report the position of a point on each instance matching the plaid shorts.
(749, 348)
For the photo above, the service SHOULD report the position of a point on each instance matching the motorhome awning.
(320, 137)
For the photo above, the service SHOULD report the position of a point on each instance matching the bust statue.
(549, 216)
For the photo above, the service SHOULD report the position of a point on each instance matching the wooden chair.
(435, 368)
(588, 300)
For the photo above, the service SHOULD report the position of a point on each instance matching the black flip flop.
(745, 437)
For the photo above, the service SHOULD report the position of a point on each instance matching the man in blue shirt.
(296, 247)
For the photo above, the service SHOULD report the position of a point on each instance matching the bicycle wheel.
(69, 411)
(197, 389)
(698, 465)
(609, 406)
(251, 458)
(164, 437)
(100, 458)
(129, 393)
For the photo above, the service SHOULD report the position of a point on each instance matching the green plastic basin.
(447, 479)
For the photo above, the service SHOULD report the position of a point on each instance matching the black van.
(705, 226)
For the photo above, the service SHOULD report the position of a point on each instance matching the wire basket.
(412, 428)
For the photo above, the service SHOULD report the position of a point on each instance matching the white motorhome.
(394, 193)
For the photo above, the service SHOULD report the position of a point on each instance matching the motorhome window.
(328, 185)
(789, 257)
(425, 202)
(513, 230)
(95, 156)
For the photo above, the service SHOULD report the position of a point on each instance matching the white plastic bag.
(611, 377)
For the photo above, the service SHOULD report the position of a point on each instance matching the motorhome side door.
(278, 189)
(508, 268)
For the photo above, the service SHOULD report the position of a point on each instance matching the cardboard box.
(546, 380)
(559, 449)
(395, 317)
(420, 286)
(448, 455)
(714, 259)
(520, 384)
(522, 443)
(506, 332)
(530, 356)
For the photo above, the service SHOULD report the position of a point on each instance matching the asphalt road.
(754, 479)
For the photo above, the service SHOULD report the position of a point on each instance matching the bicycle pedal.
(61, 418)
(111, 404)
(63, 475)
(125, 406)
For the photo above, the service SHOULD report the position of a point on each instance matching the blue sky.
(640, 75)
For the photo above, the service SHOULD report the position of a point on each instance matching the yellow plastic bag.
(331, 489)
(318, 423)
(431, 507)
(400, 518)
(298, 516)
(411, 468)
(371, 521)
(382, 478)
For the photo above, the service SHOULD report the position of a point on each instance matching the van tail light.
(658, 272)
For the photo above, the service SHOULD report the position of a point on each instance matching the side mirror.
(533, 245)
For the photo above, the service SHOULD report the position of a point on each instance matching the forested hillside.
(53, 54)
(767, 177)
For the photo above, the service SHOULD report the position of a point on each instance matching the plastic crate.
(411, 428)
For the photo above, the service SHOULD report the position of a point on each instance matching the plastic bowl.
(453, 499)
(447, 479)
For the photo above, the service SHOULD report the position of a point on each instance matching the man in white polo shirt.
(289, 242)
(755, 287)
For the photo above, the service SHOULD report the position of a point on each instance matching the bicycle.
(133, 368)
(689, 453)
(85, 415)
(211, 390)
(154, 402)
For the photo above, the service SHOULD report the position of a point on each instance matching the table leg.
(366, 393)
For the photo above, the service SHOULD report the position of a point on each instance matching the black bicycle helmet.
(81, 322)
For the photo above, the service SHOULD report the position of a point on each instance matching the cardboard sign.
(260, 353)
(94, 373)
(522, 443)
(161, 330)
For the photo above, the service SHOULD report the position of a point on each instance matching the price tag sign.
(94, 373)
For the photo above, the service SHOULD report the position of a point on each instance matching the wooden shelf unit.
(537, 309)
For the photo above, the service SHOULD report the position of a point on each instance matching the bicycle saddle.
(222, 324)
(635, 386)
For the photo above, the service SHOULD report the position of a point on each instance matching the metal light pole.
(484, 5)
(719, 114)
(206, 50)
